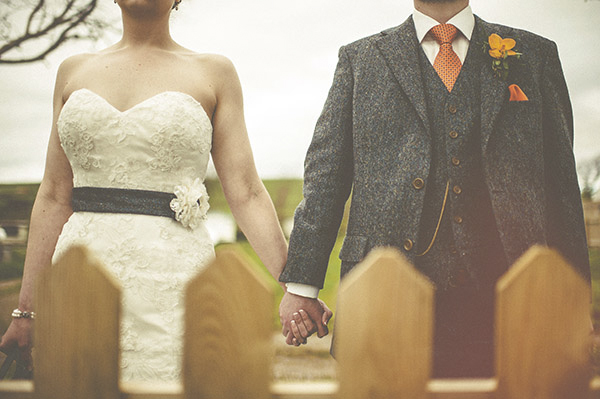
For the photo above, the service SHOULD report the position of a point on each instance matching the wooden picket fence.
(385, 335)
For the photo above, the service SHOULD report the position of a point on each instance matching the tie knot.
(444, 33)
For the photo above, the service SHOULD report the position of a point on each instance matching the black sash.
(119, 200)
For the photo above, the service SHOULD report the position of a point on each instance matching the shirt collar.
(464, 22)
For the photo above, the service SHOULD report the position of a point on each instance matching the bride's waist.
(188, 203)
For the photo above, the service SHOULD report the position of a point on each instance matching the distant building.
(591, 212)
(13, 233)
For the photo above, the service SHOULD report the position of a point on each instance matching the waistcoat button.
(418, 183)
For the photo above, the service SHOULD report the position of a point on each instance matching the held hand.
(301, 317)
(327, 313)
(19, 335)
(302, 326)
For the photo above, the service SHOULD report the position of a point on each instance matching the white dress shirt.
(464, 21)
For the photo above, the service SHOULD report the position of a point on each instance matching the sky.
(285, 53)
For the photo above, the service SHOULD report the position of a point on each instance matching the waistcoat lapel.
(399, 47)
(494, 91)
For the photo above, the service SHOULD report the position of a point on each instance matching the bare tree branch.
(48, 24)
(37, 8)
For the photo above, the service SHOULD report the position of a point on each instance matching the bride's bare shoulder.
(73, 62)
(216, 65)
(69, 68)
(76, 61)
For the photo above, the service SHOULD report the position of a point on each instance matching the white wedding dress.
(159, 144)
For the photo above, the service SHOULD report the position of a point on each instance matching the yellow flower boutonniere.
(501, 50)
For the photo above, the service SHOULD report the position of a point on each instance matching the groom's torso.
(411, 137)
(457, 228)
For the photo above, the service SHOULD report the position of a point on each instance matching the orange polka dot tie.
(446, 64)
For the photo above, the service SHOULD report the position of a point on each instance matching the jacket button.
(452, 109)
(457, 189)
(453, 134)
(458, 219)
(418, 183)
(408, 245)
(455, 161)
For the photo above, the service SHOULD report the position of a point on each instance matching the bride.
(133, 128)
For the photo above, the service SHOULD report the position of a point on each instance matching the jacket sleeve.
(566, 226)
(328, 174)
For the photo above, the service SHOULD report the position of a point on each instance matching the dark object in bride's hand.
(13, 369)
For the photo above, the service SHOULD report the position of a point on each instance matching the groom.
(455, 141)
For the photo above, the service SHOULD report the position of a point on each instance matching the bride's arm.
(246, 195)
(51, 209)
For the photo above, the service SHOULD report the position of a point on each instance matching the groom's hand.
(301, 317)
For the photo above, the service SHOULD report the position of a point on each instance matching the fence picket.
(227, 344)
(77, 330)
(542, 329)
(385, 327)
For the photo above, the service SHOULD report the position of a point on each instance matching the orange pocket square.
(516, 94)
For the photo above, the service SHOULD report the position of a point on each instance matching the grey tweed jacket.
(373, 139)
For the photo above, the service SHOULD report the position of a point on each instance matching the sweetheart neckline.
(139, 104)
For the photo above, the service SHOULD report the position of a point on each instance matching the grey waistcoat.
(467, 235)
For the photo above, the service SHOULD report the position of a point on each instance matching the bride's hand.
(303, 326)
(19, 335)
(301, 317)
(327, 313)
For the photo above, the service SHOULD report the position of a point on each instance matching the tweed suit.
(373, 139)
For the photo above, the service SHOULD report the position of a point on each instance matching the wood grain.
(384, 329)
(227, 344)
(542, 329)
(77, 330)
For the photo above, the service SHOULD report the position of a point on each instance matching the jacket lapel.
(494, 91)
(399, 47)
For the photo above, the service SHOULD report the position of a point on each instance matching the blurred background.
(285, 53)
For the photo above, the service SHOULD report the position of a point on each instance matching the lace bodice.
(158, 143)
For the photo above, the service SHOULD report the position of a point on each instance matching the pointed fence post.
(228, 327)
(384, 329)
(77, 330)
(542, 329)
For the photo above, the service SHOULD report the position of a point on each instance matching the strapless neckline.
(188, 97)
(156, 144)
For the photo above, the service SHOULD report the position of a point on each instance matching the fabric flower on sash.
(190, 203)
